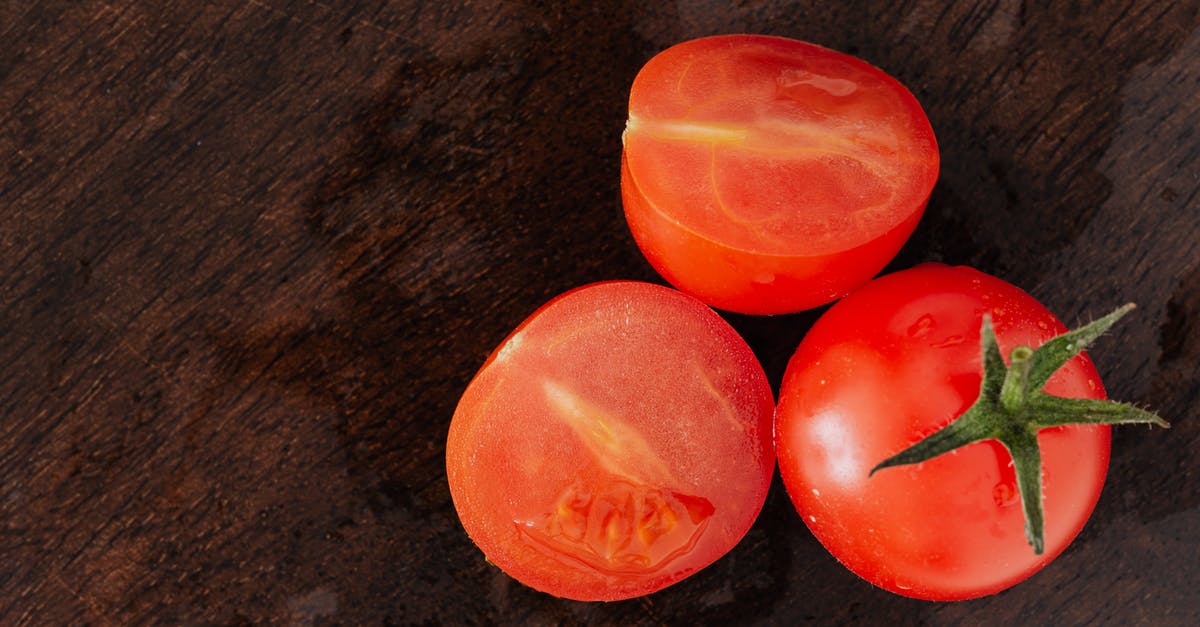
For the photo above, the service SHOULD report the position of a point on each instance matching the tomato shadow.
(1150, 471)
(454, 208)
(1022, 137)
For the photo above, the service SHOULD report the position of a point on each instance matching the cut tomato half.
(617, 442)
(767, 175)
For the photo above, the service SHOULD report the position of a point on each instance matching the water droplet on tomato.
(793, 82)
(922, 327)
(953, 340)
(1004, 493)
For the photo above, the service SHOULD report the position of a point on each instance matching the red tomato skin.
(890, 364)
(685, 441)
(766, 175)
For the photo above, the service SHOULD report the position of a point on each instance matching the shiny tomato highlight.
(885, 367)
(767, 175)
(618, 441)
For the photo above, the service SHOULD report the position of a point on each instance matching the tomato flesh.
(768, 175)
(890, 364)
(618, 441)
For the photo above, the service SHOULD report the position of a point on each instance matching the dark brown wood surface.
(252, 252)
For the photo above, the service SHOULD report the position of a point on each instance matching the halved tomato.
(766, 175)
(618, 441)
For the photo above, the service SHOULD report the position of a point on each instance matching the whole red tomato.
(767, 175)
(618, 441)
(891, 364)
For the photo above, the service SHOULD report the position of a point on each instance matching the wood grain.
(251, 253)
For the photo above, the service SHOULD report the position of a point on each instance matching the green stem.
(966, 429)
(1012, 407)
(1022, 445)
(1016, 379)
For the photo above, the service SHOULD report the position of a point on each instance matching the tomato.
(892, 363)
(766, 175)
(618, 441)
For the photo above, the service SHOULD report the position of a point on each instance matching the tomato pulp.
(616, 442)
(766, 175)
(885, 367)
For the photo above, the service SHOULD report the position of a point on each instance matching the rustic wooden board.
(251, 253)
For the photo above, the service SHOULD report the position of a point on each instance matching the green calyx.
(1012, 408)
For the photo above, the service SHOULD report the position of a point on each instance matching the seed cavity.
(618, 528)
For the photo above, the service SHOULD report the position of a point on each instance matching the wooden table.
(252, 252)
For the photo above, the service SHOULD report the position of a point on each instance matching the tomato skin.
(766, 175)
(890, 364)
(618, 441)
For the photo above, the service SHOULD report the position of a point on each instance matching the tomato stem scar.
(1012, 408)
